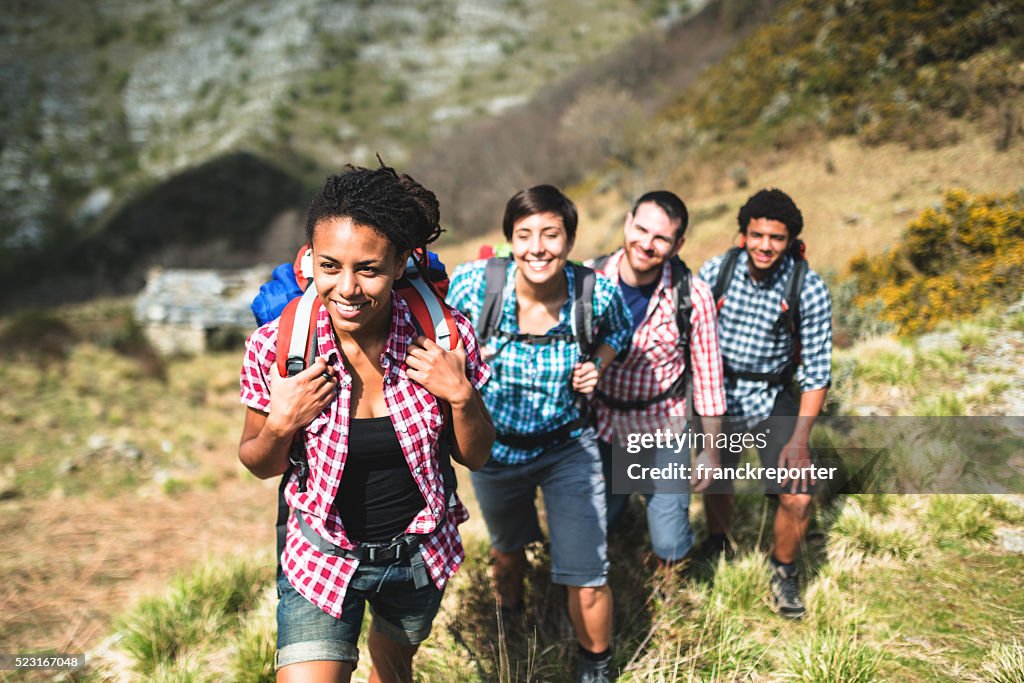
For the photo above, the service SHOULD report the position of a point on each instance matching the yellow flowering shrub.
(953, 261)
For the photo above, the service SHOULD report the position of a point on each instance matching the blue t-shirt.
(637, 300)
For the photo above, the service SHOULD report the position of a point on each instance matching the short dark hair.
(671, 204)
(540, 199)
(775, 205)
(396, 206)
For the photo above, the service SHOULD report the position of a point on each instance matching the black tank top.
(377, 497)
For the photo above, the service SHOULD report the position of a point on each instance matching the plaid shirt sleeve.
(614, 321)
(466, 289)
(815, 371)
(477, 371)
(260, 353)
(705, 356)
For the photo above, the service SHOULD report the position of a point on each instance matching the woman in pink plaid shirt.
(372, 521)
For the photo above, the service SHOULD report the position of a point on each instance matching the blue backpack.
(275, 294)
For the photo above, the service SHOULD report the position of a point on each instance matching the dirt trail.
(69, 565)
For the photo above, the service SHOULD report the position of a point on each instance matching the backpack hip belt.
(549, 438)
(678, 388)
(783, 377)
(401, 549)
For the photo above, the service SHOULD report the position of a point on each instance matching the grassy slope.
(888, 579)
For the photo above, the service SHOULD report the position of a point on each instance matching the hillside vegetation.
(926, 75)
(882, 70)
(952, 261)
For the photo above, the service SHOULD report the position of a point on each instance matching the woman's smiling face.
(540, 246)
(354, 269)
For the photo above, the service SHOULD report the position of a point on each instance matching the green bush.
(38, 336)
(197, 608)
(878, 69)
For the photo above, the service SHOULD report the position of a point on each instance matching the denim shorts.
(778, 435)
(668, 519)
(570, 477)
(403, 613)
(668, 514)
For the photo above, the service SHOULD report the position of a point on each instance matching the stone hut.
(181, 310)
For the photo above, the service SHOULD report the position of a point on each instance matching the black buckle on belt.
(375, 553)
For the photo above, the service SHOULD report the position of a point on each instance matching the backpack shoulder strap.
(583, 308)
(296, 334)
(791, 300)
(681, 277)
(600, 261)
(725, 273)
(681, 283)
(431, 316)
(495, 275)
(296, 349)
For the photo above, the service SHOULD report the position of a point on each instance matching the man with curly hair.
(774, 326)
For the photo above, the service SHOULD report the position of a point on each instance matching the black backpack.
(787, 323)
(495, 275)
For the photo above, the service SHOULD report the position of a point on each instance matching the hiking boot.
(511, 618)
(786, 592)
(594, 671)
(713, 546)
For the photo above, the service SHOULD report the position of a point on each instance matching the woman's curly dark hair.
(396, 206)
(774, 205)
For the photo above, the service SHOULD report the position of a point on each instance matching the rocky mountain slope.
(105, 100)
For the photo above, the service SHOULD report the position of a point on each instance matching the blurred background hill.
(192, 133)
(189, 133)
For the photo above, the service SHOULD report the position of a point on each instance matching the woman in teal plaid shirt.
(534, 398)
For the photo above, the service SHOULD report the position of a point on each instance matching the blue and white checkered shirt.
(748, 342)
(530, 390)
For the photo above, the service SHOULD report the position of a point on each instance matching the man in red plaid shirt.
(646, 385)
